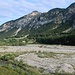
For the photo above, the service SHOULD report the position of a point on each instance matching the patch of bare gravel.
(37, 47)
(49, 64)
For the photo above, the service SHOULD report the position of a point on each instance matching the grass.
(9, 56)
(20, 68)
(46, 54)
(5, 71)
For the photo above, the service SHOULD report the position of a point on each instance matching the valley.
(39, 43)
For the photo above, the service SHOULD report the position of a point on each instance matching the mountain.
(54, 21)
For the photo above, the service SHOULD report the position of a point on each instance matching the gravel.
(49, 64)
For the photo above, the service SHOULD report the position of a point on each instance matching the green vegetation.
(63, 39)
(9, 56)
(23, 69)
(52, 54)
(14, 67)
(47, 37)
(5, 71)
(46, 54)
(13, 41)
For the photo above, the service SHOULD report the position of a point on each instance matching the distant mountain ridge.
(56, 20)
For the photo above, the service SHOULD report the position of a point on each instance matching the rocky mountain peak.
(34, 13)
(72, 5)
(71, 8)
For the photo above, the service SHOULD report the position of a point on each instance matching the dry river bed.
(63, 60)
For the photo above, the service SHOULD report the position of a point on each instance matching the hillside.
(55, 23)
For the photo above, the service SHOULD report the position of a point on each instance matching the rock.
(66, 68)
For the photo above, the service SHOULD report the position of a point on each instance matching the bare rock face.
(66, 68)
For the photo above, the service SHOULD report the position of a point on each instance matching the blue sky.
(13, 9)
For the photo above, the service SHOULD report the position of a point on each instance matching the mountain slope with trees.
(57, 25)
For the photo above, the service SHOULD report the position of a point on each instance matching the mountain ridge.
(53, 21)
